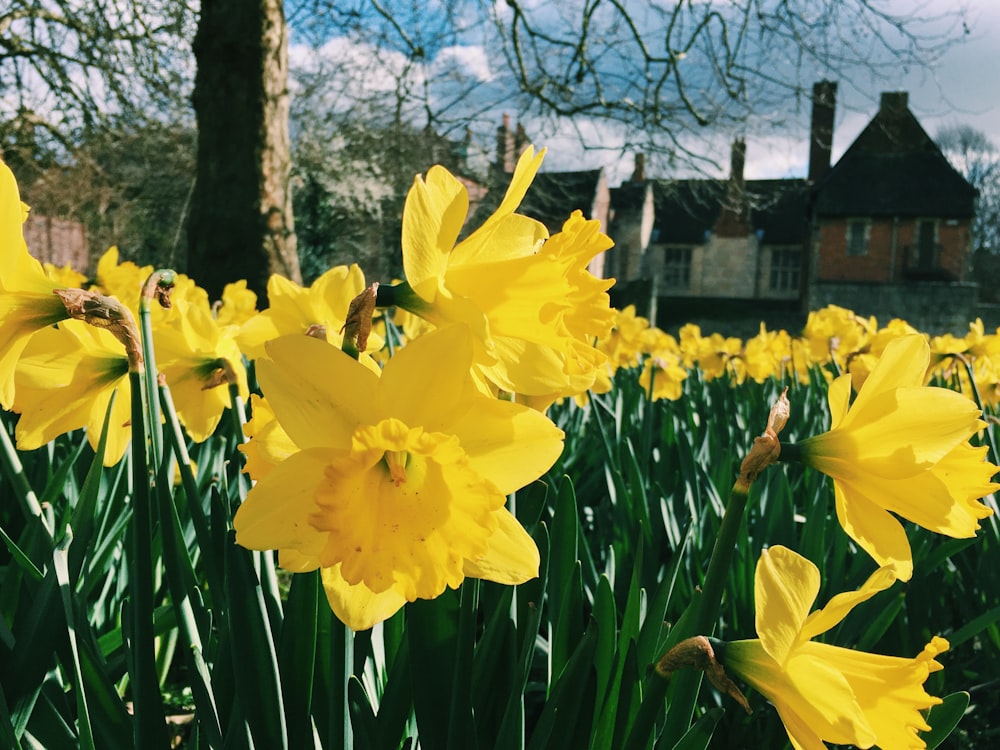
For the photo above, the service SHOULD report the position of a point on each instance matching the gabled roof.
(686, 211)
(894, 168)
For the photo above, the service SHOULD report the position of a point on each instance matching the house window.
(926, 259)
(858, 231)
(677, 268)
(786, 263)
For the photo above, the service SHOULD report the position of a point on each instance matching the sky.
(960, 88)
(963, 87)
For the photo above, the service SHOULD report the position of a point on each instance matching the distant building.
(884, 231)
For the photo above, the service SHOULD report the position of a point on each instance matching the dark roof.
(686, 210)
(894, 168)
(553, 196)
(629, 197)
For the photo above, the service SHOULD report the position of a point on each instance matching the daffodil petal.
(902, 364)
(435, 209)
(885, 443)
(427, 382)
(943, 498)
(875, 530)
(357, 606)
(822, 696)
(841, 604)
(839, 398)
(278, 511)
(785, 587)
(502, 240)
(508, 444)
(319, 394)
(512, 557)
(295, 561)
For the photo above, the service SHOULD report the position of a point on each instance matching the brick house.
(884, 231)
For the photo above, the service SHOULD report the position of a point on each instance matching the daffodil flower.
(535, 308)
(319, 309)
(398, 485)
(199, 359)
(902, 448)
(826, 693)
(65, 380)
(120, 279)
(27, 303)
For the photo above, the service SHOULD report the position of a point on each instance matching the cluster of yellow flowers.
(390, 475)
(901, 448)
(833, 338)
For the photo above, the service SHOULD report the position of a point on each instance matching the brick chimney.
(733, 219)
(639, 172)
(821, 130)
(505, 148)
(894, 103)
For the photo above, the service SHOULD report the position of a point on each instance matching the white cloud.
(469, 61)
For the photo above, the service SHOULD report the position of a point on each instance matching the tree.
(973, 154)
(241, 224)
(68, 68)
(661, 74)
(130, 187)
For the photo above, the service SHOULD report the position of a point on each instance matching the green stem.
(14, 470)
(707, 605)
(199, 519)
(342, 737)
(149, 729)
(158, 279)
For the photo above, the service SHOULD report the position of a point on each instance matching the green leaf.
(255, 662)
(397, 698)
(432, 631)
(297, 656)
(700, 733)
(61, 566)
(569, 710)
(944, 717)
(20, 557)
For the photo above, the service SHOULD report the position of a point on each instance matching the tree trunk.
(241, 224)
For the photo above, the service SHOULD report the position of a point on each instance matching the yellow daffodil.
(319, 309)
(27, 303)
(65, 379)
(269, 444)
(533, 305)
(65, 276)
(663, 376)
(626, 341)
(768, 354)
(121, 279)
(835, 334)
(398, 486)
(902, 448)
(199, 359)
(238, 304)
(825, 693)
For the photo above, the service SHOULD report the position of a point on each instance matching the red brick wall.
(57, 241)
(882, 263)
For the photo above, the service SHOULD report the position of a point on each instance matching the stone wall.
(931, 307)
